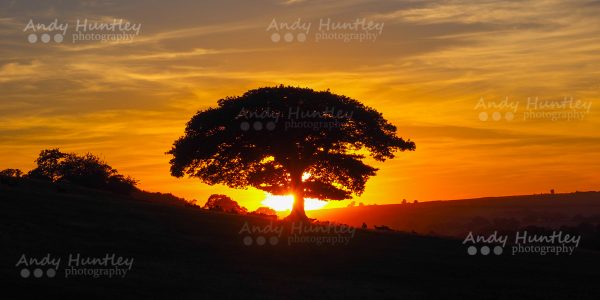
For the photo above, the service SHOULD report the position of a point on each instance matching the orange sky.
(426, 71)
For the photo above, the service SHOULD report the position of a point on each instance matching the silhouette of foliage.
(49, 165)
(265, 211)
(224, 203)
(14, 173)
(10, 177)
(229, 144)
(86, 170)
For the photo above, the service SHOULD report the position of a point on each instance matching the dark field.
(457, 217)
(184, 252)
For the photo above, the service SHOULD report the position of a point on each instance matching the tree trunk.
(298, 213)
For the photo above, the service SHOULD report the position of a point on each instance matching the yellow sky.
(426, 72)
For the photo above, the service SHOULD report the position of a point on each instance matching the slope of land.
(184, 252)
(458, 217)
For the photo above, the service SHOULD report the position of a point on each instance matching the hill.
(458, 217)
(180, 251)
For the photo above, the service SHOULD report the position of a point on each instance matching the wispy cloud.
(434, 60)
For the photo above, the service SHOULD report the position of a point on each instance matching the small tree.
(224, 203)
(86, 170)
(12, 173)
(287, 140)
(265, 211)
(10, 176)
(49, 165)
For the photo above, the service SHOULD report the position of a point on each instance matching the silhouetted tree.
(265, 211)
(10, 176)
(49, 165)
(87, 170)
(224, 203)
(14, 173)
(286, 140)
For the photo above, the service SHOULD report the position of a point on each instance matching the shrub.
(265, 212)
(224, 203)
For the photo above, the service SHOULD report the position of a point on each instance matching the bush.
(13, 173)
(10, 176)
(265, 212)
(224, 203)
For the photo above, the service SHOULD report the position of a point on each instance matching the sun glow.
(286, 202)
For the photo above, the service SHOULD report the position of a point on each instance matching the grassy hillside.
(458, 217)
(184, 252)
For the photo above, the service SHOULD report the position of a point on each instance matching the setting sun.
(283, 203)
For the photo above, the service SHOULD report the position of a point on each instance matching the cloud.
(290, 2)
(470, 12)
(15, 71)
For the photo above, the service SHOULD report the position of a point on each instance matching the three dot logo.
(258, 119)
(45, 38)
(260, 240)
(496, 116)
(484, 250)
(276, 37)
(37, 273)
(257, 125)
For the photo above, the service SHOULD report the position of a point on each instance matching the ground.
(181, 251)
